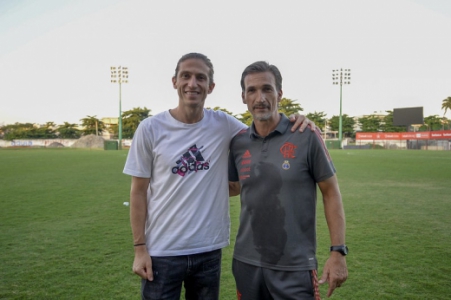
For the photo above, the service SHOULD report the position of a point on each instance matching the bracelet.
(136, 245)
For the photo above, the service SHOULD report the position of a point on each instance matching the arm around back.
(234, 188)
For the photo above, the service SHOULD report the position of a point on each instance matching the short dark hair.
(259, 67)
(200, 56)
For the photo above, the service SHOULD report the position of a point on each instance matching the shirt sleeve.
(235, 125)
(139, 159)
(320, 161)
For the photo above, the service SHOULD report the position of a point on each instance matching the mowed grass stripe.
(65, 233)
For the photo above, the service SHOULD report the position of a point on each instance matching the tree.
(445, 123)
(130, 121)
(446, 104)
(46, 131)
(370, 123)
(28, 131)
(16, 131)
(347, 125)
(245, 118)
(92, 125)
(68, 131)
(387, 124)
(289, 107)
(319, 118)
(431, 123)
(223, 110)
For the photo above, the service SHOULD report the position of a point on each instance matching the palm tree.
(446, 104)
(289, 107)
(319, 118)
(92, 125)
(68, 131)
(431, 123)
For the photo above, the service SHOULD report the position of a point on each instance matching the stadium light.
(340, 77)
(119, 75)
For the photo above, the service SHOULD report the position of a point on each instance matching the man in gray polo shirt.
(277, 171)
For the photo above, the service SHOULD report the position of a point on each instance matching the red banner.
(419, 135)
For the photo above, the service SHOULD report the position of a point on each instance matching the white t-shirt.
(187, 199)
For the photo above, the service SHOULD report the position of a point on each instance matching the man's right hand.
(142, 265)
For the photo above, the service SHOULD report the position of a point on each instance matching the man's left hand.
(335, 272)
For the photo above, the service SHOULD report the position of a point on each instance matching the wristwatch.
(343, 249)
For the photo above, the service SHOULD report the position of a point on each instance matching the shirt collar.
(281, 128)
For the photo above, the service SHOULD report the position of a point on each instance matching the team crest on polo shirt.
(286, 165)
(287, 150)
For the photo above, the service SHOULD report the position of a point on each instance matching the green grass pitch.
(65, 232)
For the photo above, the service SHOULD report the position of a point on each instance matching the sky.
(55, 55)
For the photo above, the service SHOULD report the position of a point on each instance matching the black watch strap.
(343, 249)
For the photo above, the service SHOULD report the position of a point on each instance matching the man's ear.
(279, 96)
(242, 97)
(211, 87)
(174, 82)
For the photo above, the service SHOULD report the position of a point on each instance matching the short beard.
(263, 117)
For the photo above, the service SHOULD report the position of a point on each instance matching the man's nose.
(260, 97)
(192, 82)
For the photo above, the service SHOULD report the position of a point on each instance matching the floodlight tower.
(119, 75)
(341, 76)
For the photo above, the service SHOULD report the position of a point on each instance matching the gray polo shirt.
(278, 176)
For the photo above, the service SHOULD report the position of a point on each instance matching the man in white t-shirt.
(179, 209)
